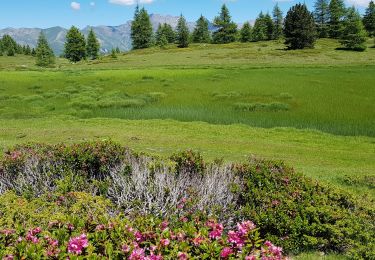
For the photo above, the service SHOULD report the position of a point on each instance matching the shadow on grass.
(350, 49)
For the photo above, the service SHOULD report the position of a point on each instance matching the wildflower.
(70, 227)
(164, 242)
(8, 257)
(226, 252)
(138, 236)
(198, 240)
(137, 254)
(77, 244)
(125, 248)
(182, 256)
(7, 232)
(164, 225)
(216, 232)
(100, 227)
(236, 239)
(155, 257)
(250, 257)
(245, 227)
(180, 236)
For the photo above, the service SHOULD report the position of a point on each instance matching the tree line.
(300, 28)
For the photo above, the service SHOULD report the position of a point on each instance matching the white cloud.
(92, 4)
(362, 3)
(130, 2)
(75, 6)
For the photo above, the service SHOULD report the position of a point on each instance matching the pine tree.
(260, 28)
(44, 54)
(321, 15)
(75, 45)
(227, 30)
(141, 29)
(277, 22)
(245, 33)
(336, 14)
(118, 51)
(269, 25)
(159, 34)
(163, 41)
(169, 33)
(201, 32)
(113, 54)
(354, 34)
(299, 28)
(369, 19)
(92, 46)
(33, 52)
(27, 50)
(182, 33)
(9, 45)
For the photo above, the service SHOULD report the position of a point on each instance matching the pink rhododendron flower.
(138, 236)
(137, 254)
(164, 242)
(77, 244)
(236, 239)
(125, 249)
(155, 257)
(164, 225)
(245, 227)
(7, 232)
(250, 257)
(100, 227)
(180, 236)
(182, 256)
(8, 257)
(70, 227)
(226, 252)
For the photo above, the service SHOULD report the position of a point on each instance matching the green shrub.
(189, 162)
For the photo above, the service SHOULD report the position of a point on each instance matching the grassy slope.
(328, 89)
(322, 156)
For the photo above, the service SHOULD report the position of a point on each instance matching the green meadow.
(314, 109)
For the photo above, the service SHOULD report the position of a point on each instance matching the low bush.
(294, 211)
(79, 226)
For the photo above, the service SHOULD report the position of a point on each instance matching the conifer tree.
(245, 33)
(299, 28)
(92, 46)
(159, 33)
(269, 25)
(182, 33)
(321, 15)
(169, 33)
(260, 31)
(9, 45)
(118, 51)
(201, 33)
(75, 45)
(227, 29)
(44, 54)
(113, 54)
(33, 52)
(336, 14)
(354, 34)
(163, 41)
(277, 22)
(369, 19)
(141, 29)
(27, 50)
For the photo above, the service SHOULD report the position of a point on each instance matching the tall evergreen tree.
(336, 14)
(169, 33)
(269, 25)
(354, 34)
(27, 50)
(141, 29)
(44, 54)
(227, 29)
(75, 45)
(321, 15)
(277, 22)
(182, 33)
(369, 19)
(9, 45)
(165, 31)
(260, 30)
(92, 46)
(299, 28)
(245, 33)
(201, 33)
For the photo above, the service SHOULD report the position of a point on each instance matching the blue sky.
(48, 13)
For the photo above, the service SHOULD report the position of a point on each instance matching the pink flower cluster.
(216, 230)
(32, 235)
(271, 252)
(77, 244)
(238, 238)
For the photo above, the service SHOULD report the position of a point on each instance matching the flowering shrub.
(117, 237)
(289, 209)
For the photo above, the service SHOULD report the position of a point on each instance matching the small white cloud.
(362, 3)
(75, 6)
(92, 4)
(130, 2)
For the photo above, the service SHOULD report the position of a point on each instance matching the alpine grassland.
(206, 152)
